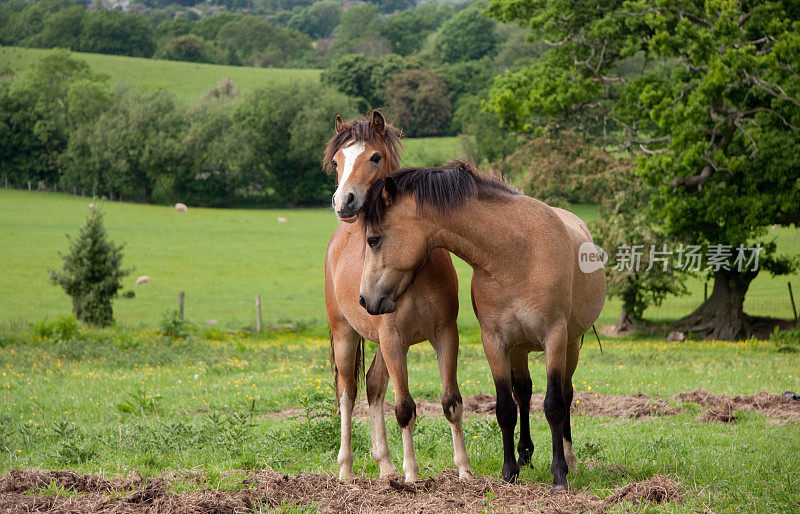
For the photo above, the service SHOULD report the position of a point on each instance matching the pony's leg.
(573, 349)
(523, 389)
(506, 409)
(555, 406)
(446, 346)
(377, 380)
(395, 353)
(345, 351)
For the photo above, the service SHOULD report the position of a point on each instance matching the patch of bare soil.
(270, 490)
(773, 405)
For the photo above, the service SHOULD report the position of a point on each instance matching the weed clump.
(787, 341)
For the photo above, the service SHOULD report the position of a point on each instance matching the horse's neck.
(487, 234)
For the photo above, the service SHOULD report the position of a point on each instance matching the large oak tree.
(705, 92)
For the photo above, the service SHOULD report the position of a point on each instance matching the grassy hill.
(186, 80)
(222, 257)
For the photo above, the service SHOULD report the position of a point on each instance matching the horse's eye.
(376, 157)
(373, 241)
(335, 164)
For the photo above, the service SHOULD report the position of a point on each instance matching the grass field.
(119, 401)
(222, 258)
(187, 81)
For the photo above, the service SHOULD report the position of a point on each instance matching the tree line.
(62, 125)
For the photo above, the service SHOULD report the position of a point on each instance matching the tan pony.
(528, 290)
(363, 151)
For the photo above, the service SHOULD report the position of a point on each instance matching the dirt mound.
(656, 489)
(20, 481)
(270, 490)
(719, 408)
(771, 404)
(586, 403)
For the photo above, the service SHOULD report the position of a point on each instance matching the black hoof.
(510, 474)
(559, 489)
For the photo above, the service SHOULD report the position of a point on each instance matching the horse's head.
(396, 246)
(361, 152)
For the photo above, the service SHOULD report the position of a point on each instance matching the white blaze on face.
(351, 153)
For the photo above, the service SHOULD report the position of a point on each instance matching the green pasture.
(187, 81)
(116, 401)
(222, 258)
(431, 151)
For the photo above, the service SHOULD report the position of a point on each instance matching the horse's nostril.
(362, 301)
(350, 199)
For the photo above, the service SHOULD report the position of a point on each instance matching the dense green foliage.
(91, 273)
(144, 146)
(419, 102)
(711, 106)
(467, 36)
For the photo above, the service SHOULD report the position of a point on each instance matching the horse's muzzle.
(382, 306)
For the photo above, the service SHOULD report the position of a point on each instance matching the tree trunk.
(721, 316)
(625, 323)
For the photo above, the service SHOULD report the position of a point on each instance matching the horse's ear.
(338, 124)
(389, 190)
(378, 123)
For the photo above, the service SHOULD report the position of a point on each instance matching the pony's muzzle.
(346, 204)
(382, 306)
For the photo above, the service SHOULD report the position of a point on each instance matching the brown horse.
(363, 151)
(528, 290)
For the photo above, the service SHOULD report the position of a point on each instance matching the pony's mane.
(444, 187)
(361, 130)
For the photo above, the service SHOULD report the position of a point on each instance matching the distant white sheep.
(282, 220)
(181, 207)
(144, 279)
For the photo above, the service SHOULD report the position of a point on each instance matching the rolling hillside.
(185, 79)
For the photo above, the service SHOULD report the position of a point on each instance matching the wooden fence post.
(180, 304)
(258, 313)
(791, 297)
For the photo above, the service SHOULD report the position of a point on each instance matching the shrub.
(91, 274)
(62, 329)
(787, 341)
(174, 326)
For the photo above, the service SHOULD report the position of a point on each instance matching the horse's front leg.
(523, 389)
(506, 409)
(446, 346)
(395, 353)
(345, 348)
(377, 380)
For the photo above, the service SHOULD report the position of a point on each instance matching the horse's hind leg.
(377, 380)
(523, 389)
(573, 349)
(505, 409)
(555, 406)
(345, 352)
(446, 346)
(395, 353)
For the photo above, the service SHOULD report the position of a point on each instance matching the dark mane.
(361, 130)
(444, 187)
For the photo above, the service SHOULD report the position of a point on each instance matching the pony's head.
(361, 152)
(401, 215)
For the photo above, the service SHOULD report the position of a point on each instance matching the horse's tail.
(359, 365)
